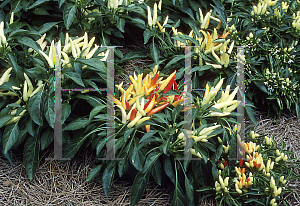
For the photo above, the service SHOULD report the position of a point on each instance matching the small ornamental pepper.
(147, 127)
(146, 105)
(157, 109)
(169, 86)
(154, 79)
(225, 35)
(133, 114)
(127, 104)
(150, 105)
(241, 162)
(225, 163)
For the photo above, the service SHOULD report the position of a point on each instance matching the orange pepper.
(157, 109)
(150, 105)
(147, 127)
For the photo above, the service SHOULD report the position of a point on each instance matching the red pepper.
(146, 105)
(258, 166)
(133, 114)
(248, 179)
(254, 163)
(157, 109)
(127, 104)
(175, 86)
(225, 163)
(243, 170)
(169, 86)
(241, 162)
(154, 79)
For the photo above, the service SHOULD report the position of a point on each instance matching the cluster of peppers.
(143, 97)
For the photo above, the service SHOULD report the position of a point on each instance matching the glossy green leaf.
(93, 173)
(133, 55)
(121, 24)
(77, 124)
(154, 53)
(66, 111)
(37, 3)
(47, 26)
(35, 107)
(4, 119)
(95, 111)
(47, 138)
(150, 160)
(108, 176)
(75, 77)
(92, 100)
(156, 172)
(10, 136)
(31, 155)
(49, 110)
(147, 35)
(139, 185)
(69, 14)
(30, 43)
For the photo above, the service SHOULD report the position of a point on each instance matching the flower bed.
(162, 125)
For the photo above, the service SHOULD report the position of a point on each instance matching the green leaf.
(30, 43)
(127, 133)
(168, 168)
(46, 27)
(189, 189)
(69, 15)
(108, 176)
(205, 67)
(93, 173)
(30, 127)
(75, 77)
(35, 107)
(37, 3)
(47, 138)
(139, 185)
(121, 24)
(95, 63)
(71, 147)
(218, 154)
(147, 34)
(16, 6)
(151, 159)
(250, 111)
(93, 101)
(31, 155)
(41, 12)
(66, 111)
(77, 124)
(61, 2)
(5, 118)
(96, 110)
(156, 172)
(49, 111)
(154, 53)
(138, 159)
(133, 55)
(178, 197)
(147, 135)
(175, 60)
(10, 136)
